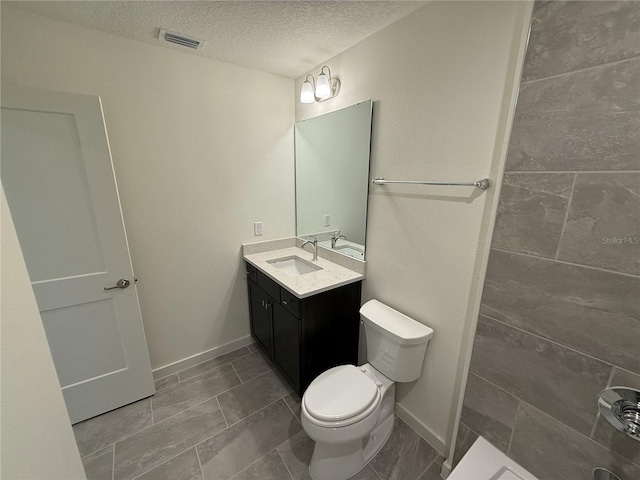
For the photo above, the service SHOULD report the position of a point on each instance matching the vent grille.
(180, 39)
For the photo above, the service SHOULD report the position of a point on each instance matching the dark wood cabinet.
(304, 337)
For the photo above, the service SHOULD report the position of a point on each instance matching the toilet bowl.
(348, 410)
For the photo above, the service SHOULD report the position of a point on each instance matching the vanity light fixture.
(322, 89)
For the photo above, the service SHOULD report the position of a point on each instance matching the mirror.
(332, 178)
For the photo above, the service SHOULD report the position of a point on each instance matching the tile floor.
(232, 417)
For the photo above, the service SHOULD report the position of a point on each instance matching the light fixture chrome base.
(620, 406)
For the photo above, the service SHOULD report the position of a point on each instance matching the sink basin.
(294, 266)
(351, 251)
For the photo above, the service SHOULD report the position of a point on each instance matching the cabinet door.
(286, 344)
(260, 316)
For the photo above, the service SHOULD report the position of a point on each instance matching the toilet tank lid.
(398, 326)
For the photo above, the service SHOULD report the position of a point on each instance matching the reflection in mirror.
(332, 178)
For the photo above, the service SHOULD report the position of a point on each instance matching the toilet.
(348, 410)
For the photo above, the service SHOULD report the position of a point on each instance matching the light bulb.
(306, 93)
(323, 89)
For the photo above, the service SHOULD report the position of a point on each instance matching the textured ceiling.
(283, 37)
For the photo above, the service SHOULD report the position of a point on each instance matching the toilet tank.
(396, 344)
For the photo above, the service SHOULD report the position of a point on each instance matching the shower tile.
(251, 396)
(179, 397)
(269, 467)
(466, 437)
(543, 446)
(588, 120)
(99, 466)
(405, 454)
(559, 381)
(98, 432)
(155, 445)
(183, 467)
(213, 363)
(531, 212)
(623, 378)
(433, 472)
(252, 365)
(603, 226)
(234, 449)
(489, 411)
(166, 381)
(568, 36)
(592, 311)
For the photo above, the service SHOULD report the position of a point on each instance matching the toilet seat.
(340, 396)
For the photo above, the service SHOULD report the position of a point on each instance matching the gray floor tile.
(366, 473)
(249, 397)
(155, 445)
(559, 381)
(99, 466)
(593, 311)
(605, 210)
(213, 363)
(489, 411)
(569, 36)
(531, 212)
(234, 449)
(433, 472)
(293, 401)
(98, 432)
(405, 455)
(183, 467)
(166, 381)
(466, 437)
(253, 347)
(296, 453)
(252, 365)
(269, 467)
(179, 397)
(566, 454)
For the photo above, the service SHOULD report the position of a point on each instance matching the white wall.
(36, 436)
(442, 83)
(201, 150)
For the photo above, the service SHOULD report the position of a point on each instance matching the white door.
(60, 185)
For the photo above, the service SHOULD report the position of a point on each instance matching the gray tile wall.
(560, 315)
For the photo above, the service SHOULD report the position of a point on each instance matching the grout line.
(513, 428)
(199, 462)
(244, 418)
(526, 172)
(375, 472)
(162, 463)
(430, 463)
(285, 463)
(250, 465)
(610, 378)
(113, 463)
(592, 67)
(564, 262)
(566, 216)
(236, 372)
(595, 425)
(220, 407)
(153, 422)
(555, 342)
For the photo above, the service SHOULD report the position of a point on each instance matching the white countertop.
(331, 276)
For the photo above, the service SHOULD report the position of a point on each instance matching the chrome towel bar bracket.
(481, 184)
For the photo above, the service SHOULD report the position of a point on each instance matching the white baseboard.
(201, 357)
(425, 432)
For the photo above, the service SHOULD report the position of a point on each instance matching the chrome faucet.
(313, 242)
(335, 237)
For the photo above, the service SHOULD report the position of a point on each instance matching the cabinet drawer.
(269, 286)
(251, 273)
(290, 302)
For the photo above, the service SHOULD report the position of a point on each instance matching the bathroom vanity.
(305, 322)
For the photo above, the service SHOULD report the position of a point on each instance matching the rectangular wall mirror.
(332, 178)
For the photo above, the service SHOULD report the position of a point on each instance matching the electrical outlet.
(327, 220)
(257, 229)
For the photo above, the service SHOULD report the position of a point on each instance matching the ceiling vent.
(180, 39)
